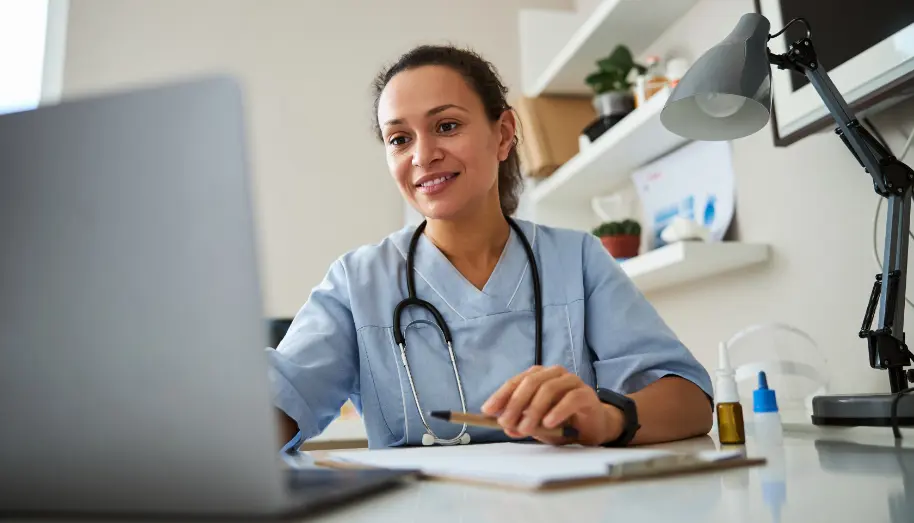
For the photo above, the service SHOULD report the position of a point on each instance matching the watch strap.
(629, 412)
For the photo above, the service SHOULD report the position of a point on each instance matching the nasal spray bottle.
(730, 427)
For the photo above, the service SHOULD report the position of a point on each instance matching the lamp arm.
(801, 57)
(892, 180)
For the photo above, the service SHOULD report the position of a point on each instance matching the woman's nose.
(426, 151)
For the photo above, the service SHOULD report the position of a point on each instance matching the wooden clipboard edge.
(562, 484)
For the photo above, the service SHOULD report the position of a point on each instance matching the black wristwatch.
(629, 412)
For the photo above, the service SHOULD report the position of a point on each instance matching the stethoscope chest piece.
(428, 440)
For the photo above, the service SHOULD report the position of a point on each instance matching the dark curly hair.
(483, 78)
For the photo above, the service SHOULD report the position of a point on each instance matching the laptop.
(132, 373)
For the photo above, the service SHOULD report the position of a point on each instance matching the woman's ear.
(507, 129)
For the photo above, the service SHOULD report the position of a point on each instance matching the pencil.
(478, 420)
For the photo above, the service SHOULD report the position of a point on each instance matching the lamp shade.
(727, 93)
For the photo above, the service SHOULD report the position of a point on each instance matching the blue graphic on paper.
(709, 210)
(685, 208)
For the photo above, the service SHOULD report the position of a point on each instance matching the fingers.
(552, 440)
(541, 435)
(497, 401)
(523, 393)
(567, 407)
(513, 434)
(548, 394)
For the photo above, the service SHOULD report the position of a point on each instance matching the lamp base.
(861, 410)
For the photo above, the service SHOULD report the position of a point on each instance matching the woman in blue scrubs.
(450, 140)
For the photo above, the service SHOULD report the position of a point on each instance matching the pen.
(478, 420)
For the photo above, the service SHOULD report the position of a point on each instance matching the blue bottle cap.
(763, 399)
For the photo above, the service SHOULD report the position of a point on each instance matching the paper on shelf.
(513, 464)
(694, 182)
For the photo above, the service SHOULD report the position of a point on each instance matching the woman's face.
(442, 150)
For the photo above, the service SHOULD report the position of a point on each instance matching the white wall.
(321, 181)
(814, 205)
(320, 177)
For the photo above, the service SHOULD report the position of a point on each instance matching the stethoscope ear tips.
(465, 439)
(428, 440)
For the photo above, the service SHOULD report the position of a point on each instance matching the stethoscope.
(430, 438)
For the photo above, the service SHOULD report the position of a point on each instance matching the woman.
(450, 140)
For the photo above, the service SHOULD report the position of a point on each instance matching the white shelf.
(635, 23)
(604, 165)
(687, 261)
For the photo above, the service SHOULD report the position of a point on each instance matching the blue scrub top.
(341, 345)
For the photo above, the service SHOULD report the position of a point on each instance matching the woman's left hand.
(552, 397)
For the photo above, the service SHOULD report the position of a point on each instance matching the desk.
(830, 475)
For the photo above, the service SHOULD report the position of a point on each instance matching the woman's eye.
(447, 127)
(398, 140)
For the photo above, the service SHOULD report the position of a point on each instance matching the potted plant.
(621, 239)
(613, 98)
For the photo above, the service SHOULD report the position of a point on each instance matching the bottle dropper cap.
(763, 398)
(726, 379)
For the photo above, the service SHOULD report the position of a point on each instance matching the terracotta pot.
(625, 246)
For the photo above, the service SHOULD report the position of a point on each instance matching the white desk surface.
(828, 475)
(833, 475)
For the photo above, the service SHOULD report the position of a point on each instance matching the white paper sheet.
(517, 464)
(694, 182)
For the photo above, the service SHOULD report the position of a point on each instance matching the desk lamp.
(727, 95)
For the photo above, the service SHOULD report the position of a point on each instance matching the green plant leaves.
(623, 228)
(612, 73)
(620, 59)
(606, 81)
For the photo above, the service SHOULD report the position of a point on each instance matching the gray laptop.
(132, 373)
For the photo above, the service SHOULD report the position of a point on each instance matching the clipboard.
(664, 464)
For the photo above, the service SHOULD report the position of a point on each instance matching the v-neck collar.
(435, 271)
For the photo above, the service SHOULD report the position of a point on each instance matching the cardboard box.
(549, 129)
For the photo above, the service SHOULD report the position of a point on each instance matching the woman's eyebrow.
(430, 112)
(445, 107)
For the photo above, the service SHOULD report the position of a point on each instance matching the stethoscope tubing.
(413, 301)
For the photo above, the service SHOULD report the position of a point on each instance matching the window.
(23, 30)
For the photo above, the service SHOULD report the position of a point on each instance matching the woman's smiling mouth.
(436, 184)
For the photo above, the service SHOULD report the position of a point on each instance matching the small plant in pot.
(613, 92)
(621, 239)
